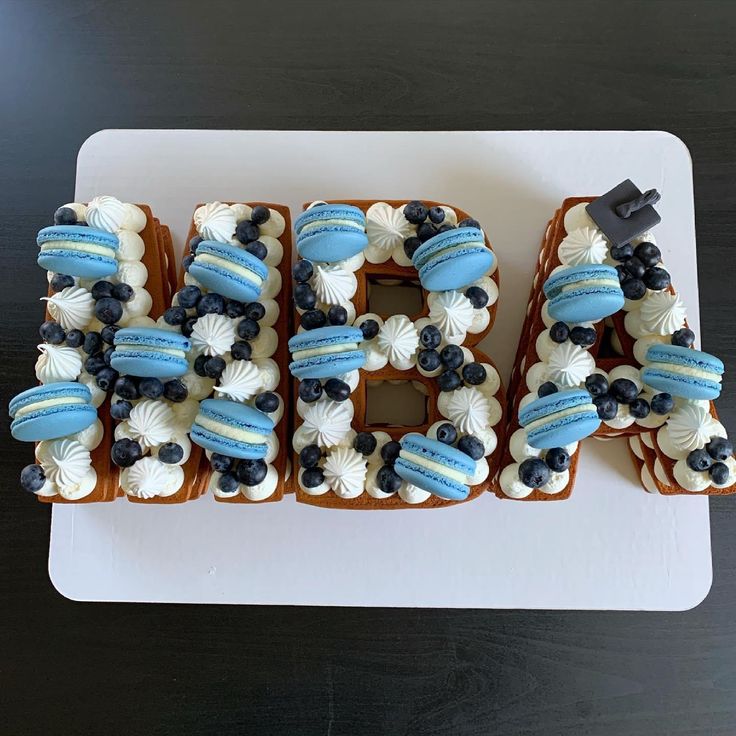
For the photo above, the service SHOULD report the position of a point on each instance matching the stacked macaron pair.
(78, 250)
(330, 232)
(584, 293)
(559, 419)
(684, 372)
(150, 352)
(326, 351)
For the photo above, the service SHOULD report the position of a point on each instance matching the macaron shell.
(76, 263)
(564, 431)
(53, 422)
(456, 269)
(148, 364)
(327, 365)
(226, 446)
(685, 387)
(332, 243)
(432, 482)
(222, 282)
(588, 304)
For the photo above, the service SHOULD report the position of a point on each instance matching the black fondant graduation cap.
(625, 212)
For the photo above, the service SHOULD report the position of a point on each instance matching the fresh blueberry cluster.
(536, 472)
(638, 269)
(53, 333)
(309, 458)
(584, 337)
(109, 299)
(130, 388)
(711, 459)
(449, 359)
(126, 452)
(235, 472)
(470, 445)
(429, 221)
(306, 299)
(310, 389)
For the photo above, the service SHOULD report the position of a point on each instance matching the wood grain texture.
(73, 67)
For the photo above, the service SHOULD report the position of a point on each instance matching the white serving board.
(611, 546)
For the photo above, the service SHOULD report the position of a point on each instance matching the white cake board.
(610, 546)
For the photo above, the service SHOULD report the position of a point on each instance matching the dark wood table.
(72, 67)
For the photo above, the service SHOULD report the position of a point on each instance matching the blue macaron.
(435, 467)
(453, 259)
(585, 293)
(684, 372)
(330, 232)
(150, 352)
(326, 352)
(232, 429)
(77, 250)
(229, 270)
(51, 411)
(559, 419)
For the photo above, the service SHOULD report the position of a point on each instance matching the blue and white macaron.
(232, 429)
(559, 419)
(229, 270)
(585, 293)
(453, 259)
(330, 232)
(435, 467)
(51, 411)
(78, 250)
(150, 352)
(684, 372)
(326, 352)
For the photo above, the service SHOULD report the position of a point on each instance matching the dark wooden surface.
(70, 67)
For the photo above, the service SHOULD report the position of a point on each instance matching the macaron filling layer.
(434, 466)
(328, 350)
(452, 241)
(561, 416)
(227, 430)
(224, 266)
(553, 403)
(47, 404)
(686, 357)
(74, 236)
(66, 390)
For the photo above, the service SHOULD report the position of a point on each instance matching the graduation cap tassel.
(651, 196)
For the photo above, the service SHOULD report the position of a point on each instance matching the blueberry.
(65, 216)
(241, 350)
(557, 459)
(199, 362)
(52, 332)
(446, 433)
(534, 473)
(445, 227)
(246, 232)
(257, 249)
(176, 390)
(313, 319)
(369, 328)
(471, 446)
(430, 337)
(452, 356)
(337, 315)
(634, 289)
(126, 387)
(411, 245)
(390, 452)
(310, 456)
(214, 366)
(170, 453)
(106, 378)
(107, 355)
(416, 212)
(61, 281)
(622, 275)
(194, 244)
(108, 334)
(639, 408)
(221, 463)
(606, 405)
(623, 390)
(304, 296)
(622, 252)
(719, 473)
(228, 483)
(656, 279)
(75, 338)
(336, 389)
(436, 215)
(102, 289)
(648, 254)
(474, 374)
(255, 310)
(449, 381)
(120, 410)
(126, 452)
(583, 336)
(683, 337)
(388, 479)
(478, 297)
(151, 388)
(699, 460)
(428, 360)
(189, 296)
(248, 329)
(302, 271)
(122, 292)
(662, 404)
(251, 472)
(313, 478)
(92, 343)
(364, 443)
(260, 214)
(94, 364)
(559, 332)
(108, 310)
(188, 327)
(32, 477)
(267, 402)
(211, 304)
(234, 308)
(426, 231)
(310, 389)
(546, 389)
(469, 222)
(719, 448)
(175, 316)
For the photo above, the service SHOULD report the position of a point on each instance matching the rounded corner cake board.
(610, 546)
